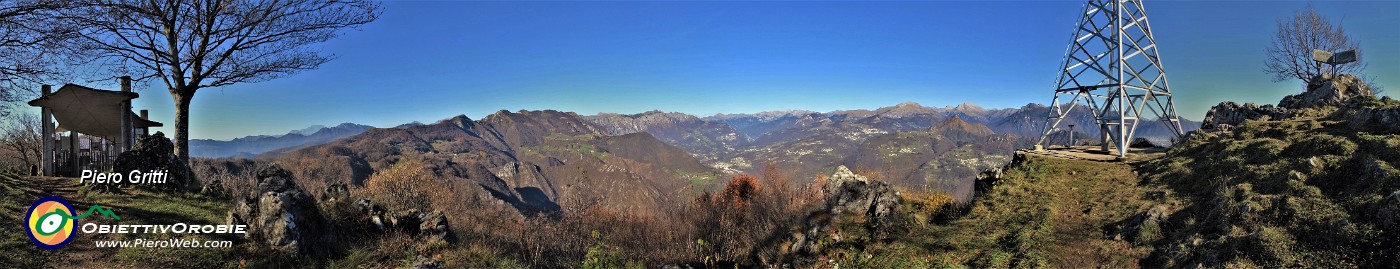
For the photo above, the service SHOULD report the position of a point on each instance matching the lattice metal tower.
(1112, 66)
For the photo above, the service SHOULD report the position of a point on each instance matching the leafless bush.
(731, 225)
(235, 175)
(22, 141)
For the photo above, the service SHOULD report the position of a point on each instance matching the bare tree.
(29, 42)
(22, 138)
(196, 44)
(1290, 53)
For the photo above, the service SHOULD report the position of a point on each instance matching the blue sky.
(425, 61)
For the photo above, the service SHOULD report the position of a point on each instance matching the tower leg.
(1103, 137)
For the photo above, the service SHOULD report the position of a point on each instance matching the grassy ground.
(15, 197)
(1308, 193)
(1045, 212)
(133, 206)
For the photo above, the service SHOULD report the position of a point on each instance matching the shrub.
(926, 205)
(402, 186)
(603, 256)
(741, 190)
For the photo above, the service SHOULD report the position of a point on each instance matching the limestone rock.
(1383, 118)
(335, 192)
(1231, 114)
(848, 192)
(1143, 227)
(434, 228)
(842, 176)
(1327, 89)
(281, 215)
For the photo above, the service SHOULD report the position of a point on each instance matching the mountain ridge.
(253, 145)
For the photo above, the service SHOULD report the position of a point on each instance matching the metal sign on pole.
(1334, 59)
(1112, 66)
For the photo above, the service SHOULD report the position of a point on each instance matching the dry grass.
(731, 226)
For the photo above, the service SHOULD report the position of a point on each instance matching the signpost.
(1333, 59)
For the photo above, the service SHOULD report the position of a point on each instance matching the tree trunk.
(182, 125)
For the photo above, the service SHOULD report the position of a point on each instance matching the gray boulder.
(156, 153)
(847, 192)
(281, 215)
(434, 229)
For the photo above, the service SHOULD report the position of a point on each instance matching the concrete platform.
(1092, 153)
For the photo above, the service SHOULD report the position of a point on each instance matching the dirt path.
(1093, 197)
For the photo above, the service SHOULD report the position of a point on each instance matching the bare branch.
(1289, 55)
(193, 44)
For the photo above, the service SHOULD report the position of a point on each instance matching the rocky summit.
(1328, 90)
(1322, 91)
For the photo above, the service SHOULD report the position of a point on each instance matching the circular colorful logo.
(50, 222)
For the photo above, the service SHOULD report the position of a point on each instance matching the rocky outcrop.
(1144, 227)
(1328, 90)
(1381, 117)
(428, 228)
(433, 228)
(153, 153)
(281, 215)
(1322, 90)
(1230, 114)
(846, 194)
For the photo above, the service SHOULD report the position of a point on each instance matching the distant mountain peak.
(256, 144)
(904, 109)
(968, 106)
(308, 130)
(955, 123)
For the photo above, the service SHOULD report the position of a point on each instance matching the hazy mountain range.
(250, 146)
(540, 161)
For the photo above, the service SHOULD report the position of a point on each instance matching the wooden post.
(46, 126)
(124, 142)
